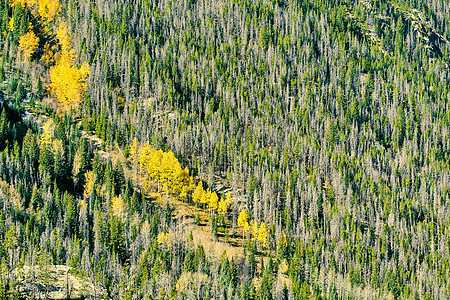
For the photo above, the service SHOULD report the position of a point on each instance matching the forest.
(229, 149)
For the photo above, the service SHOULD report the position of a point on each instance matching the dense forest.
(230, 149)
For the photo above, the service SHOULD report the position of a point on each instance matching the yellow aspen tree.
(144, 156)
(82, 205)
(184, 191)
(49, 129)
(154, 164)
(118, 206)
(48, 9)
(222, 209)
(262, 235)
(134, 154)
(284, 267)
(163, 238)
(28, 44)
(57, 147)
(165, 168)
(214, 201)
(205, 197)
(223, 204)
(198, 192)
(89, 185)
(242, 221)
(68, 82)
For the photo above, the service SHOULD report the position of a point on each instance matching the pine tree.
(30, 149)
(70, 219)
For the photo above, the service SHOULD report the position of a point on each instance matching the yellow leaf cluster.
(259, 232)
(262, 235)
(48, 55)
(14, 3)
(28, 43)
(284, 266)
(242, 220)
(197, 195)
(205, 197)
(213, 200)
(165, 167)
(62, 34)
(76, 164)
(47, 9)
(82, 204)
(89, 185)
(223, 204)
(163, 238)
(11, 24)
(118, 206)
(68, 82)
(47, 135)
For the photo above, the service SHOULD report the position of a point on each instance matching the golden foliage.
(213, 200)
(68, 82)
(82, 204)
(49, 129)
(198, 192)
(11, 24)
(163, 238)
(205, 196)
(77, 160)
(118, 206)
(165, 167)
(48, 56)
(242, 221)
(28, 44)
(89, 185)
(263, 235)
(283, 268)
(14, 3)
(62, 34)
(48, 8)
(223, 204)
